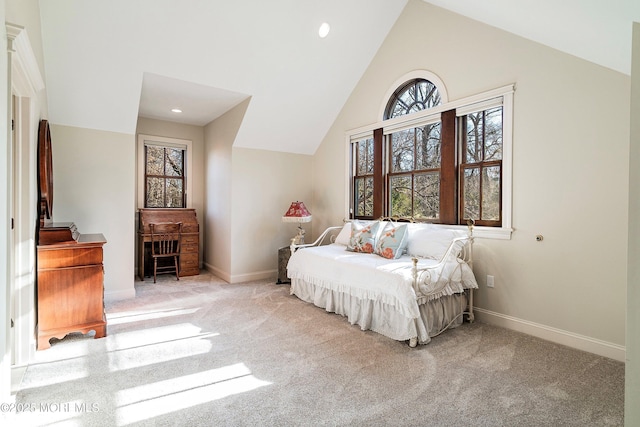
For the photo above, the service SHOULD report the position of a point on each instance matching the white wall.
(570, 162)
(5, 347)
(94, 187)
(632, 369)
(195, 134)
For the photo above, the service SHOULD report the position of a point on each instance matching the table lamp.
(297, 212)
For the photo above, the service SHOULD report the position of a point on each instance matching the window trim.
(416, 74)
(161, 141)
(465, 105)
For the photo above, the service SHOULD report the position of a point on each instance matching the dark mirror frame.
(45, 172)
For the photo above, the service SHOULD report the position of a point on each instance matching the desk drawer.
(188, 260)
(189, 240)
(189, 265)
(188, 249)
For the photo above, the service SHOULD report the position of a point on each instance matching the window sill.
(496, 233)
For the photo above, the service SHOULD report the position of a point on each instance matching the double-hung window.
(163, 172)
(164, 176)
(481, 137)
(363, 178)
(433, 161)
(414, 172)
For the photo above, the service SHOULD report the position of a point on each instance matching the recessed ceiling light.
(324, 30)
(176, 110)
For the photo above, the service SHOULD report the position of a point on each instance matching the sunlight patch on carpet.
(145, 347)
(142, 315)
(162, 397)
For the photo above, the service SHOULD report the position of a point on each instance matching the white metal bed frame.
(460, 249)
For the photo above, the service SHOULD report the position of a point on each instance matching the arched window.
(415, 95)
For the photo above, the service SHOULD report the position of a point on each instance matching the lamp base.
(298, 239)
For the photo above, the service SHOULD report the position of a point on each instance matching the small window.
(163, 172)
(164, 177)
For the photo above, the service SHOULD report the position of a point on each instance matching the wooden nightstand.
(283, 259)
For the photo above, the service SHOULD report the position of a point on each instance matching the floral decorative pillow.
(392, 241)
(363, 237)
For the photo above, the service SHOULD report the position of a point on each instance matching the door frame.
(25, 88)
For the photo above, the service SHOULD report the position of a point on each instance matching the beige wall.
(219, 136)
(30, 106)
(264, 183)
(632, 371)
(26, 13)
(94, 187)
(195, 134)
(247, 192)
(570, 162)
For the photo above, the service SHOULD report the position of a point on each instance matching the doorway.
(25, 86)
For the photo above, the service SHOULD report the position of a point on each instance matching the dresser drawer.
(71, 256)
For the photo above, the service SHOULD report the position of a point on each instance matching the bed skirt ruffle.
(375, 315)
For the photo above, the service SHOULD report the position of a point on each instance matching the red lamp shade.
(297, 212)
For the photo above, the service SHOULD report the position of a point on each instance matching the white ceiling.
(596, 30)
(108, 62)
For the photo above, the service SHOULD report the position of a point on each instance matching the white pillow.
(431, 242)
(344, 235)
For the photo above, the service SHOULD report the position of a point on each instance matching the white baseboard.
(239, 278)
(258, 275)
(120, 295)
(559, 336)
(217, 272)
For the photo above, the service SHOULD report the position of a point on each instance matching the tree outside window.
(481, 168)
(363, 179)
(414, 176)
(440, 168)
(164, 177)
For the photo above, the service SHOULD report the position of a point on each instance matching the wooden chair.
(165, 243)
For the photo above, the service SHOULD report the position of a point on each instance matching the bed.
(425, 288)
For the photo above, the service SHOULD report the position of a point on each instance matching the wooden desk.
(189, 245)
(70, 283)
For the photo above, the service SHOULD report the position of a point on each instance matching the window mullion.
(164, 170)
(378, 174)
(448, 165)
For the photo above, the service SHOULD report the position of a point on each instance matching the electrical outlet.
(490, 282)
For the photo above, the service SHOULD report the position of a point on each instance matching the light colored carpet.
(201, 352)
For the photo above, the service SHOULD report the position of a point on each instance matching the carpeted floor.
(201, 352)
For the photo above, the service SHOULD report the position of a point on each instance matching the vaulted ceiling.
(106, 63)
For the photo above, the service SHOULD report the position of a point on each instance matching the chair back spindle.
(165, 243)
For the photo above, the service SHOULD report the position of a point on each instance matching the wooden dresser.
(189, 245)
(70, 291)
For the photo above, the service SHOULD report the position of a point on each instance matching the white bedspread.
(371, 277)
